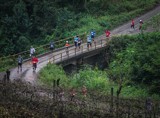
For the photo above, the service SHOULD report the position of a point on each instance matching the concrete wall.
(98, 60)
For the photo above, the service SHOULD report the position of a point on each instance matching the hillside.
(32, 22)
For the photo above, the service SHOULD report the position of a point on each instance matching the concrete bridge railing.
(71, 53)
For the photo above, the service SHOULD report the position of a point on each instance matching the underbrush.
(20, 99)
(135, 59)
(95, 80)
(52, 73)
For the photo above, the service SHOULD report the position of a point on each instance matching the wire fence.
(20, 99)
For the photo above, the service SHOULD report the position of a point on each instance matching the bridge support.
(74, 66)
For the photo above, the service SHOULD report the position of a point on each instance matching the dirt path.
(27, 73)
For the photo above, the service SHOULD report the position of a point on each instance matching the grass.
(115, 15)
(153, 24)
(95, 80)
(53, 72)
(100, 24)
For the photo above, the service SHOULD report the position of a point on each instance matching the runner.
(89, 41)
(20, 60)
(140, 24)
(51, 46)
(79, 42)
(107, 33)
(32, 51)
(92, 33)
(34, 62)
(76, 41)
(8, 72)
(132, 24)
(67, 45)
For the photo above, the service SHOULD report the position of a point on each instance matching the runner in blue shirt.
(89, 41)
(93, 33)
(76, 41)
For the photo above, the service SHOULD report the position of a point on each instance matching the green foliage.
(136, 58)
(42, 21)
(7, 63)
(118, 6)
(53, 72)
(93, 79)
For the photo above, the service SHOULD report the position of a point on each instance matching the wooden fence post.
(117, 106)
(148, 107)
(156, 110)
(111, 102)
(129, 110)
(54, 84)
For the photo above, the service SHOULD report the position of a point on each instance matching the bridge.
(59, 56)
(76, 55)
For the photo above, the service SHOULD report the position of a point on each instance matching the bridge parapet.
(69, 56)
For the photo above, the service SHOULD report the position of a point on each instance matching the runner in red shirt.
(34, 62)
(107, 33)
(132, 24)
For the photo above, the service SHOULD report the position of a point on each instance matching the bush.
(53, 72)
(136, 59)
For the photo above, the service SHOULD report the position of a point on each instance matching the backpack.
(52, 45)
(32, 51)
(75, 39)
(79, 40)
(20, 60)
(92, 33)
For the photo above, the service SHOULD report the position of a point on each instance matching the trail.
(27, 73)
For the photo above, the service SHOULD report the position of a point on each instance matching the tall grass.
(53, 72)
(95, 80)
